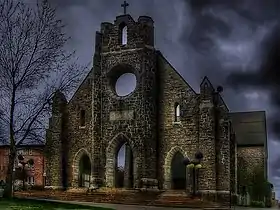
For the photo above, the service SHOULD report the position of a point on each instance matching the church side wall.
(181, 136)
(79, 137)
(250, 157)
(223, 149)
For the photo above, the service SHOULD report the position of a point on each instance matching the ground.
(134, 207)
(20, 204)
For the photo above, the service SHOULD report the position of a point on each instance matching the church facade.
(161, 123)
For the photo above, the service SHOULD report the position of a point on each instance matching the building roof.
(249, 128)
(28, 146)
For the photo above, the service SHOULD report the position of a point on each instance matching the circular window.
(125, 84)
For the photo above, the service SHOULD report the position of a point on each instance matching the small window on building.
(83, 118)
(177, 112)
(123, 34)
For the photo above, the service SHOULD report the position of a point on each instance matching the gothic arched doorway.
(124, 167)
(178, 172)
(128, 178)
(84, 171)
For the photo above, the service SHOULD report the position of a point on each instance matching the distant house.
(35, 173)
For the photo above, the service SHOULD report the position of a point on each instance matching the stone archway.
(168, 163)
(178, 172)
(82, 164)
(111, 161)
(84, 171)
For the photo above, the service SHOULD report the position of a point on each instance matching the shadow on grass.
(22, 204)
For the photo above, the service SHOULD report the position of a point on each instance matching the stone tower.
(130, 119)
(56, 150)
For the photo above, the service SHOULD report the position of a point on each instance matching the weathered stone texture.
(183, 134)
(250, 157)
(55, 135)
(79, 137)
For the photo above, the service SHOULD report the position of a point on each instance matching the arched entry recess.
(130, 168)
(175, 172)
(82, 169)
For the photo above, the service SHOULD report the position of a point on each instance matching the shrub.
(37, 187)
(257, 204)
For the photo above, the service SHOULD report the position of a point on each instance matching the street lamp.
(194, 164)
(44, 177)
(13, 186)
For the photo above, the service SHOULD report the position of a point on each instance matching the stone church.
(161, 123)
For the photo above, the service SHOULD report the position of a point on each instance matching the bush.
(257, 204)
(37, 187)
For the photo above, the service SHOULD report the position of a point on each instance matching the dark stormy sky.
(216, 38)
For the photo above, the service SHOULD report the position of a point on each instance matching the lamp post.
(13, 186)
(194, 165)
(44, 179)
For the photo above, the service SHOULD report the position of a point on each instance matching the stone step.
(129, 198)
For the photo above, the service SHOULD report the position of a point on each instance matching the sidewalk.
(136, 207)
(120, 206)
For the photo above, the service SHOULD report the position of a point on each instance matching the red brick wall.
(4, 159)
(28, 153)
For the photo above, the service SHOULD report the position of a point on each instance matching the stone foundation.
(223, 197)
(54, 187)
(149, 183)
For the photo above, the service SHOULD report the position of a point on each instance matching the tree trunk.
(8, 193)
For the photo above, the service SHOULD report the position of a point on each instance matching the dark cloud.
(267, 77)
(217, 34)
(240, 44)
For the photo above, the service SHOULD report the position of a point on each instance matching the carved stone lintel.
(149, 183)
(122, 115)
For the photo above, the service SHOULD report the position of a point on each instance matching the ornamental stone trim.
(111, 158)
(167, 165)
(75, 165)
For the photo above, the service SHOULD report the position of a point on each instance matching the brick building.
(160, 123)
(35, 152)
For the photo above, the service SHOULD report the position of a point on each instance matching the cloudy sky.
(225, 40)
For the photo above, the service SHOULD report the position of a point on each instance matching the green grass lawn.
(24, 204)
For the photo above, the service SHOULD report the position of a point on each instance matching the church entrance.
(124, 167)
(178, 172)
(84, 171)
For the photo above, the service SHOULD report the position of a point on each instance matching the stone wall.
(55, 135)
(250, 157)
(223, 145)
(110, 132)
(79, 136)
(174, 136)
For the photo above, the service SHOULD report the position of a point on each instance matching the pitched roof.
(249, 127)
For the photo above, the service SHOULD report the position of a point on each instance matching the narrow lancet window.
(177, 112)
(124, 35)
(83, 118)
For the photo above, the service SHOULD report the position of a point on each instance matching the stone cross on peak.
(124, 5)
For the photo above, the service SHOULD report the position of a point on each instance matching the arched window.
(123, 34)
(177, 112)
(83, 118)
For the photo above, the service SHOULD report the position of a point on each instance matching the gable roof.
(160, 55)
(249, 128)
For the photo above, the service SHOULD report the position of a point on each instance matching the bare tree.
(33, 66)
